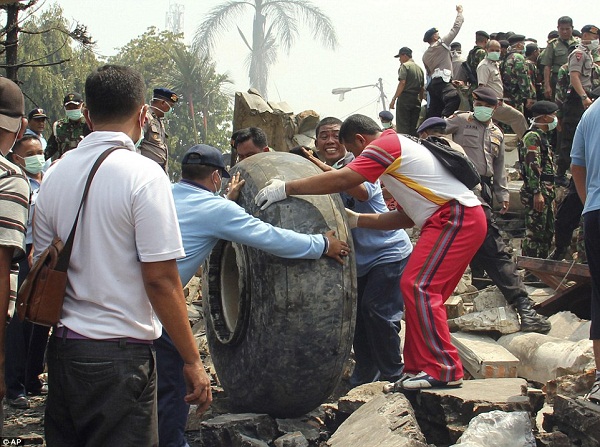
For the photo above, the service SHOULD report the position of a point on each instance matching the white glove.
(274, 191)
(352, 218)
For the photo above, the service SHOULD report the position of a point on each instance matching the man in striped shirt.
(14, 202)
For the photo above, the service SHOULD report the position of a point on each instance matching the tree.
(275, 24)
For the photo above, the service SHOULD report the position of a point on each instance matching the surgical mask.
(593, 45)
(74, 115)
(387, 125)
(483, 113)
(218, 188)
(551, 126)
(34, 163)
(169, 112)
(494, 55)
(454, 53)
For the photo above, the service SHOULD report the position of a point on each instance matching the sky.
(370, 32)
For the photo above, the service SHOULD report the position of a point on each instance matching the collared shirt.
(128, 218)
(437, 56)
(580, 60)
(556, 53)
(413, 75)
(488, 74)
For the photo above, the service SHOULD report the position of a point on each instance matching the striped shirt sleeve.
(377, 156)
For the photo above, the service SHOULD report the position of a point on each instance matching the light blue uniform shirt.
(205, 218)
(585, 152)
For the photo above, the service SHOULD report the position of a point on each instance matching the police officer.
(154, 145)
(387, 119)
(67, 132)
(36, 122)
(483, 142)
(537, 171)
(517, 84)
(556, 53)
(409, 93)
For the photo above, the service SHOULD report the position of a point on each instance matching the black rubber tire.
(280, 330)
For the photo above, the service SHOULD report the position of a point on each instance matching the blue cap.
(434, 121)
(386, 115)
(429, 34)
(203, 154)
(166, 94)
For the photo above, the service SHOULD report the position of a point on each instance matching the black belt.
(547, 178)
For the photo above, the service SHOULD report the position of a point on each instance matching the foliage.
(275, 24)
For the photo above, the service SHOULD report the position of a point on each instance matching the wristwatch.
(583, 97)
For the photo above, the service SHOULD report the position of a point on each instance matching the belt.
(65, 332)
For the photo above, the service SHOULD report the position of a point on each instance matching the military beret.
(166, 94)
(576, 33)
(515, 38)
(482, 34)
(434, 121)
(543, 108)
(429, 34)
(503, 43)
(73, 98)
(386, 115)
(531, 48)
(590, 29)
(455, 45)
(404, 50)
(553, 34)
(486, 94)
(36, 113)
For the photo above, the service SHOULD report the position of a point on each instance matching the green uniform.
(154, 145)
(517, 84)
(537, 170)
(475, 56)
(562, 87)
(555, 56)
(408, 104)
(66, 135)
(536, 79)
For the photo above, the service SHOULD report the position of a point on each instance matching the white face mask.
(494, 55)
(593, 45)
(218, 185)
(74, 115)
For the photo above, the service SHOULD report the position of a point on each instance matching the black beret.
(531, 48)
(386, 115)
(503, 43)
(486, 94)
(404, 50)
(482, 34)
(429, 34)
(454, 45)
(543, 108)
(590, 29)
(576, 33)
(516, 38)
(165, 93)
(553, 34)
(434, 121)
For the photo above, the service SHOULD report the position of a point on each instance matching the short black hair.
(330, 120)
(256, 134)
(114, 91)
(530, 49)
(357, 123)
(565, 20)
(24, 139)
(196, 171)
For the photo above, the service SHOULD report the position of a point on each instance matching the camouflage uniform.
(537, 170)
(555, 55)
(154, 145)
(475, 56)
(562, 87)
(66, 135)
(536, 80)
(517, 84)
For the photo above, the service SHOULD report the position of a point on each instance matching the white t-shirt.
(129, 217)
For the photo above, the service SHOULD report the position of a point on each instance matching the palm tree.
(275, 24)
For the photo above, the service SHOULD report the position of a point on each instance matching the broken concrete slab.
(572, 385)
(385, 421)
(579, 419)
(454, 307)
(359, 396)
(294, 439)
(445, 413)
(309, 429)
(483, 357)
(543, 358)
(236, 429)
(568, 326)
(500, 319)
(489, 298)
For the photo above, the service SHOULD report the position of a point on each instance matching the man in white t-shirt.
(123, 279)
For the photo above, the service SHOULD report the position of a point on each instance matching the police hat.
(455, 45)
(482, 34)
(515, 38)
(203, 154)
(543, 108)
(73, 98)
(386, 115)
(166, 94)
(12, 105)
(434, 121)
(590, 29)
(404, 50)
(429, 34)
(486, 94)
(36, 113)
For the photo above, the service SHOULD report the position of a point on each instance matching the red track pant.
(448, 241)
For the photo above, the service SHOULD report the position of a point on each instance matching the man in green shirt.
(556, 54)
(409, 93)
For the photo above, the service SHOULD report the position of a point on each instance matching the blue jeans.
(376, 337)
(172, 409)
(100, 393)
(591, 234)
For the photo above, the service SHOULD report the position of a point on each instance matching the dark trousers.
(25, 347)
(572, 111)
(568, 215)
(443, 98)
(493, 258)
(591, 230)
(408, 108)
(100, 393)
(172, 409)
(376, 337)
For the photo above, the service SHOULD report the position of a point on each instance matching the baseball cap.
(12, 105)
(36, 113)
(203, 154)
(73, 98)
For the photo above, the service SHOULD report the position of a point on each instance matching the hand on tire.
(274, 191)
(352, 218)
(338, 250)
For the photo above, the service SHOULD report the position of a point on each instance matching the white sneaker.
(594, 394)
(424, 381)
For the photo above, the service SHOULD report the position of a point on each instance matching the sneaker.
(20, 402)
(396, 386)
(424, 380)
(594, 394)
